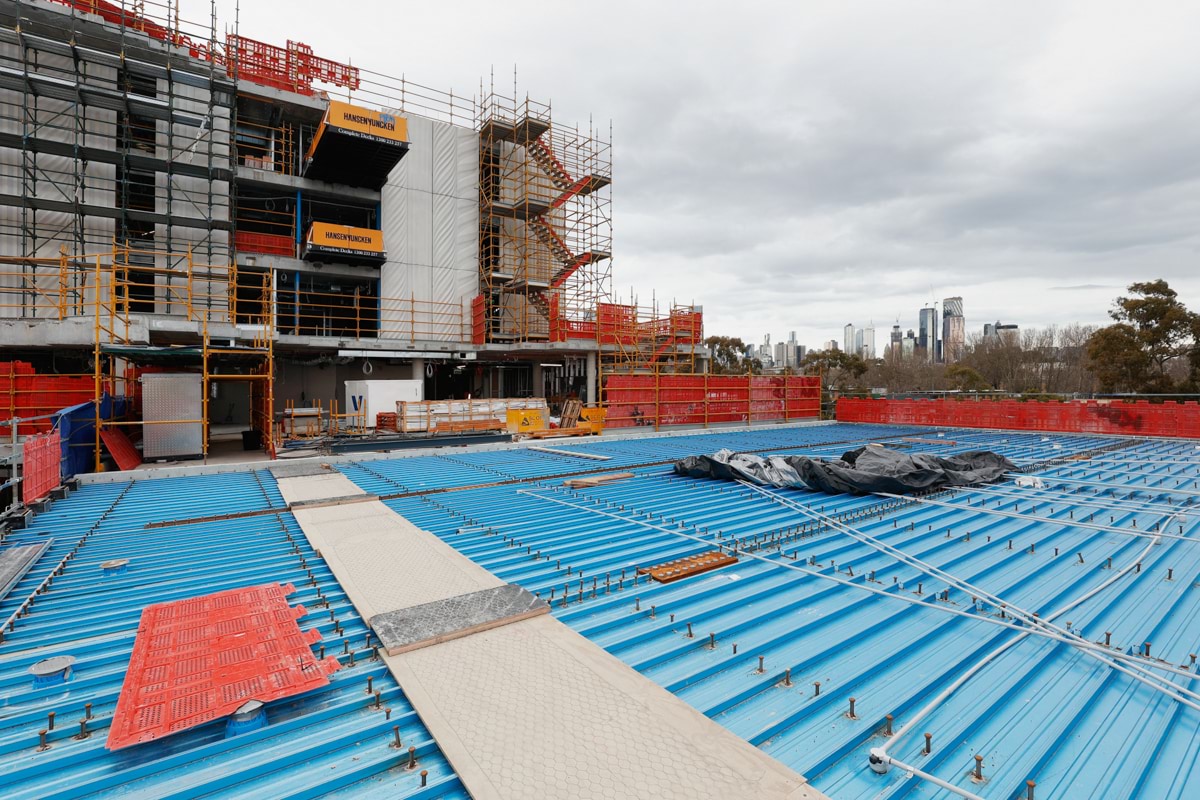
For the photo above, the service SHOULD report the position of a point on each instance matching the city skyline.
(938, 323)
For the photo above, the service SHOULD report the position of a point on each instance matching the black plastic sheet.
(865, 470)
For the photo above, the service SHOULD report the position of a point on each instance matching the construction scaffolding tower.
(207, 294)
(545, 229)
(106, 137)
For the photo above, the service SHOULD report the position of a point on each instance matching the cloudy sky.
(800, 165)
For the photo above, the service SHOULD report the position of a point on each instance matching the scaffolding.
(96, 288)
(96, 148)
(545, 235)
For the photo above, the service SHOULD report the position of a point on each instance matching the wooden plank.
(687, 567)
(593, 481)
(570, 414)
(559, 433)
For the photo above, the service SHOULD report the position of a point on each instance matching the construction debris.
(686, 567)
(592, 481)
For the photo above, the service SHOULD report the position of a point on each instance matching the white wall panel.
(420, 155)
(444, 155)
(466, 164)
(393, 212)
(55, 177)
(466, 235)
(444, 229)
(420, 227)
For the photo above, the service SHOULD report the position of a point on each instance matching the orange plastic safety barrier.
(201, 659)
(665, 400)
(43, 465)
(1126, 418)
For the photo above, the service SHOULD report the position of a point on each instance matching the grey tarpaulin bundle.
(865, 470)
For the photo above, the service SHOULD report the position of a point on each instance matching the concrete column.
(593, 389)
(418, 373)
(539, 383)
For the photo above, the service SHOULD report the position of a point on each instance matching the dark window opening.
(251, 297)
(327, 305)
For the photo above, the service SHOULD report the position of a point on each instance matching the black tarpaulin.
(865, 470)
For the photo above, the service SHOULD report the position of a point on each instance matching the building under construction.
(174, 199)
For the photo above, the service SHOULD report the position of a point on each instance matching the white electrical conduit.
(1072, 523)
(945, 609)
(1045, 495)
(1116, 486)
(992, 656)
(1095, 651)
(925, 604)
(879, 759)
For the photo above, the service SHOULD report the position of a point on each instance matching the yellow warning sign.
(366, 122)
(330, 238)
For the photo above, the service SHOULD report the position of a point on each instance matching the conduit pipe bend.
(1166, 687)
(996, 512)
(923, 603)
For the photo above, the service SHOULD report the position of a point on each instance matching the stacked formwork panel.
(545, 227)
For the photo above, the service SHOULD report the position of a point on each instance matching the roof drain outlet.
(249, 717)
(51, 671)
(115, 567)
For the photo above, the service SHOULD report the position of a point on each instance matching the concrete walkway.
(529, 709)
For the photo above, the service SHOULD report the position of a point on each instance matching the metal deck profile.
(917, 608)
(870, 598)
(498, 698)
(327, 742)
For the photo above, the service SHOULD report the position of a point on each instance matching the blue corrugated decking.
(1039, 711)
(326, 742)
(897, 630)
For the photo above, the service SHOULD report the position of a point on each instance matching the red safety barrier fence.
(43, 465)
(24, 393)
(1128, 418)
(665, 400)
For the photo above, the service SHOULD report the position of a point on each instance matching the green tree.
(838, 369)
(728, 356)
(1153, 332)
(965, 379)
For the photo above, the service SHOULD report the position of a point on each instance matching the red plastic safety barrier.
(201, 659)
(666, 400)
(1136, 418)
(26, 394)
(43, 465)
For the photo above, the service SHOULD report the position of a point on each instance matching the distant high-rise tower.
(897, 337)
(848, 338)
(868, 342)
(927, 340)
(954, 329)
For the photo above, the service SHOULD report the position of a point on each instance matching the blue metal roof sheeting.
(324, 743)
(1033, 708)
(472, 468)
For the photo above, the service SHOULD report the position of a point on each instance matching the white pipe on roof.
(923, 603)
(1171, 690)
(1070, 523)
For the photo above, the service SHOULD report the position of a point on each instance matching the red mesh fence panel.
(121, 449)
(669, 400)
(43, 465)
(1130, 418)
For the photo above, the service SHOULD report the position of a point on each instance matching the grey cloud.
(798, 166)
